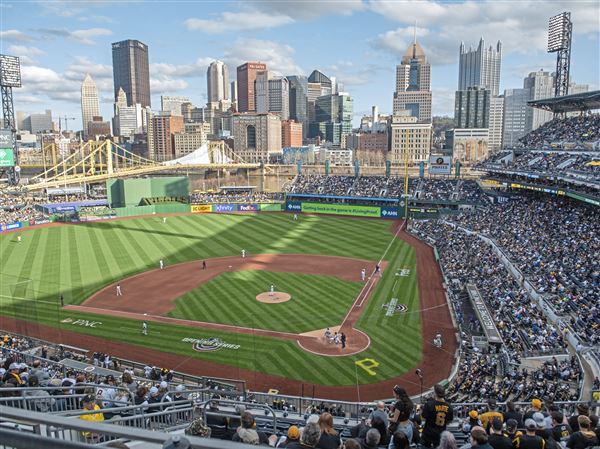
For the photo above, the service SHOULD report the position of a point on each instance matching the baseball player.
(437, 341)
(62, 300)
(161, 263)
(327, 335)
(144, 328)
(204, 264)
(272, 292)
(164, 219)
(119, 292)
(363, 274)
(243, 254)
(295, 217)
(19, 238)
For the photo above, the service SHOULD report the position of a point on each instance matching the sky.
(360, 42)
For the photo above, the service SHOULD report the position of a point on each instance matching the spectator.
(582, 410)
(329, 436)
(247, 432)
(447, 441)
(380, 412)
(560, 429)
(497, 439)
(43, 402)
(89, 404)
(584, 437)
(437, 413)
(400, 419)
(512, 413)
(309, 439)
(371, 439)
(479, 439)
(530, 440)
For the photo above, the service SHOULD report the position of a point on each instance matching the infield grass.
(230, 298)
(78, 260)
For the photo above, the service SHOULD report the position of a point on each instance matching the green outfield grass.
(230, 298)
(78, 260)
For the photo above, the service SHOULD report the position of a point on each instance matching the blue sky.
(358, 41)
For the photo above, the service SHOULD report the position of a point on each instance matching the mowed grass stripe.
(196, 237)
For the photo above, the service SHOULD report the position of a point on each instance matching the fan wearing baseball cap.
(530, 440)
(89, 404)
(437, 413)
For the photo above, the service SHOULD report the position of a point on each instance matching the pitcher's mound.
(275, 298)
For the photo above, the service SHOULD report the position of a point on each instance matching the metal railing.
(23, 429)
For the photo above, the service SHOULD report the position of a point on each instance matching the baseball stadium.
(325, 295)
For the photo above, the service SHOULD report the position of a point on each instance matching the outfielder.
(19, 238)
(164, 219)
(144, 328)
(243, 253)
(119, 292)
(272, 292)
(161, 263)
(295, 217)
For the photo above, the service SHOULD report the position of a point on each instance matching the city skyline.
(290, 38)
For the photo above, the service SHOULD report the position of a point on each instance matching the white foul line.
(369, 283)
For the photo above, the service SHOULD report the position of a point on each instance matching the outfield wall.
(354, 210)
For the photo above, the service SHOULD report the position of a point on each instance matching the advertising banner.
(271, 207)
(342, 209)
(293, 206)
(62, 209)
(389, 212)
(8, 227)
(248, 208)
(201, 208)
(224, 208)
(6, 148)
(440, 165)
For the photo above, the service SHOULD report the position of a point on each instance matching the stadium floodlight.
(10, 71)
(560, 30)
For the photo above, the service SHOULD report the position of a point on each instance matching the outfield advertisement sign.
(224, 208)
(293, 207)
(342, 209)
(248, 208)
(201, 208)
(390, 212)
(10, 226)
(271, 207)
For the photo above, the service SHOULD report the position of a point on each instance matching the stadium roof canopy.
(569, 103)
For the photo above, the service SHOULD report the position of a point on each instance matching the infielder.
(164, 219)
(437, 341)
(19, 238)
(119, 292)
(243, 254)
(144, 328)
(363, 274)
(272, 292)
(161, 263)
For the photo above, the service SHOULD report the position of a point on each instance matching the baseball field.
(209, 321)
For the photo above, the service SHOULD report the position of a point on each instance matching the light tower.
(10, 76)
(560, 30)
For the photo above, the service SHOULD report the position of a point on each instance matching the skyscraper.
(541, 85)
(217, 82)
(90, 105)
(299, 101)
(496, 121)
(246, 75)
(480, 67)
(131, 71)
(515, 113)
(472, 108)
(172, 104)
(413, 84)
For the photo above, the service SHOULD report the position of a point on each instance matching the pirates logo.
(208, 344)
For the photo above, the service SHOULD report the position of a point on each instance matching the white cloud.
(82, 65)
(165, 85)
(228, 22)
(309, 9)
(518, 25)
(26, 54)
(84, 36)
(14, 36)
(197, 69)
(278, 57)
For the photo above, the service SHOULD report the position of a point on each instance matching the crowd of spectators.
(584, 128)
(555, 244)
(234, 197)
(552, 163)
(383, 187)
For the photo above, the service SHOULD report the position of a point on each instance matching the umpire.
(436, 414)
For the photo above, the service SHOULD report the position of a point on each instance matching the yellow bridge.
(97, 161)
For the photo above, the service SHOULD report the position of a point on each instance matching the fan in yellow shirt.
(89, 404)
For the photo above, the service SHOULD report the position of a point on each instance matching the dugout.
(147, 191)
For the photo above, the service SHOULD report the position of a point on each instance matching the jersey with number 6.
(436, 415)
